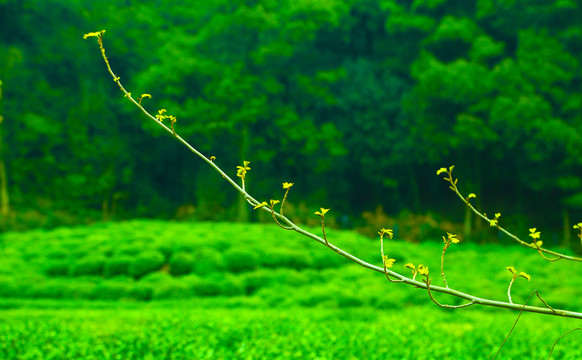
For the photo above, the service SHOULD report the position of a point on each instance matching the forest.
(357, 102)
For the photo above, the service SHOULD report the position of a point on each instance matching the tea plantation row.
(154, 260)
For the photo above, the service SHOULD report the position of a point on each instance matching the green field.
(159, 290)
(183, 331)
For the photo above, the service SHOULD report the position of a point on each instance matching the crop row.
(287, 333)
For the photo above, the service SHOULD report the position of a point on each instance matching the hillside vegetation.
(256, 265)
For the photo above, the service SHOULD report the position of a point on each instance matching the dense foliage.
(258, 264)
(358, 102)
(202, 292)
(179, 331)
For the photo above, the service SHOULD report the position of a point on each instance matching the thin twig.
(547, 258)
(323, 231)
(283, 201)
(446, 306)
(519, 315)
(545, 303)
(555, 342)
(509, 290)
(278, 223)
(482, 216)
(443, 266)
(383, 260)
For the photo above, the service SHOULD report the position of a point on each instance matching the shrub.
(346, 299)
(239, 260)
(117, 266)
(174, 289)
(415, 227)
(92, 265)
(11, 287)
(231, 285)
(79, 253)
(291, 278)
(146, 263)
(56, 268)
(181, 263)
(31, 253)
(143, 292)
(111, 290)
(323, 259)
(129, 249)
(79, 289)
(278, 257)
(185, 246)
(156, 277)
(106, 250)
(50, 289)
(256, 280)
(203, 286)
(162, 285)
(263, 278)
(277, 296)
(167, 249)
(320, 296)
(57, 254)
(208, 261)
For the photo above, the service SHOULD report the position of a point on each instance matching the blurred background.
(116, 242)
(357, 102)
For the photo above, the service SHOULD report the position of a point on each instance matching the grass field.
(183, 331)
(158, 290)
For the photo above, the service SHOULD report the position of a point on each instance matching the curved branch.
(560, 338)
(293, 226)
(517, 319)
(446, 306)
(541, 250)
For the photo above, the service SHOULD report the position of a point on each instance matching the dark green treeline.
(357, 102)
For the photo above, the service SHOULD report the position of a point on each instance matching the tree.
(361, 98)
(483, 89)
(248, 104)
(51, 161)
(4, 197)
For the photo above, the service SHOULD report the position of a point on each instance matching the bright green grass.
(293, 333)
(258, 292)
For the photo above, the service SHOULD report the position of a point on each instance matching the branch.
(445, 306)
(292, 226)
(517, 319)
(560, 338)
(494, 223)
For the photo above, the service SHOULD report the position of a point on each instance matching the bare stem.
(443, 266)
(277, 221)
(547, 258)
(509, 289)
(523, 307)
(323, 230)
(515, 238)
(446, 306)
(384, 262)
(283, 201)
(560, 338)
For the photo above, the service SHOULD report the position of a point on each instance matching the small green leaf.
(524, 275)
